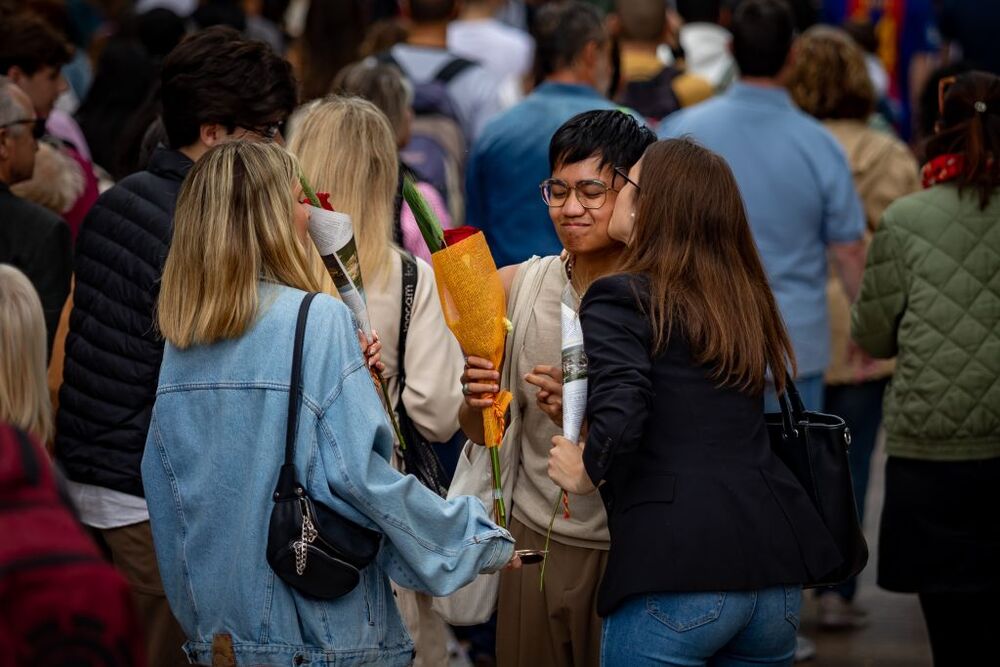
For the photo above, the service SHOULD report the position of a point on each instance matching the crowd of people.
(732, 195)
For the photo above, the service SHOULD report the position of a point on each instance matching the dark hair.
(330, 41)
(642, 20)
(863, 32)
(28, 42)
(970, 125)
(121, 86)
(693, 242)
(561, 32)
(431, 10)
(927, 111)
(159, 31)
(762, 37)
(699, 11)
(216, 76)
(613, 136)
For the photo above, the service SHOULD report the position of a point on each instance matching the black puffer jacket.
(113, 351)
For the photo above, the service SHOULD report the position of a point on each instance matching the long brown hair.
(693, 242)
(970, 124)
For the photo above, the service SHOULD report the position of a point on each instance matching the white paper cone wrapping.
(574, 367)
(333, 234)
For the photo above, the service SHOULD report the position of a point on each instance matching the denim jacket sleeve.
(431, 544)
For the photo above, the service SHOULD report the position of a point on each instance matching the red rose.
(324, 200)
(453, 236)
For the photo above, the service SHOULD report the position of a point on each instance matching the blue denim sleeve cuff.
(503, 550)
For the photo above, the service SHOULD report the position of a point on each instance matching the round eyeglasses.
(591, 193)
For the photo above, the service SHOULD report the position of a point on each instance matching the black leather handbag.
(311, 547)
(419, 457)
(815, 448)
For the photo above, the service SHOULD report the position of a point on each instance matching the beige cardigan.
(884, 170)
(434, 360)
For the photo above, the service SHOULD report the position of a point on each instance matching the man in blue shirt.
(795, 180)
(510, 158)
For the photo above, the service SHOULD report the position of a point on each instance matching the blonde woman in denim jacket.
(232, 285)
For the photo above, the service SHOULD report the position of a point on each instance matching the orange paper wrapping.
(475, 309)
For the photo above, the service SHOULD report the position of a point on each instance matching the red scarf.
(942, 169)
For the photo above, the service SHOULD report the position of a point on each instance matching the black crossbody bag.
(310, 546)
(815, 447)
(419, 457)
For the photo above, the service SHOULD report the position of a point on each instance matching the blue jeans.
(811, 389)
(722, 629)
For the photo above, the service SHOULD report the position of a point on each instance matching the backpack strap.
(452, 68)
(448, 71)
(409, 293)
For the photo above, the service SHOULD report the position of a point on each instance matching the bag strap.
(451, 69)
(295, 384)
(523, 294)
(408, 271)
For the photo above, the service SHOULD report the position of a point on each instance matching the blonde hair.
(232, 228)
(24, 390)
(346, 147)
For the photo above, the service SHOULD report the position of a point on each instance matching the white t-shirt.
(105, 508)
(505, 51)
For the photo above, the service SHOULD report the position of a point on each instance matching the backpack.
(653, 99)
(61, 603)
(437, 147)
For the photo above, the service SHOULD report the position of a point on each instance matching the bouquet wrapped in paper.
(574, 372)
(475, 309)
(333, 234)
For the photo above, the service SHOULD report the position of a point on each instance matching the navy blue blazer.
(696, 500)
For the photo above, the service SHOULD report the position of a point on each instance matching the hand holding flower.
(480, 382)
(372, 352)
(566, 467)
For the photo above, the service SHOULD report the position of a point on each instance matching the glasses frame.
(575, 189)
(620, 171)
(270, 131)
(37, 129)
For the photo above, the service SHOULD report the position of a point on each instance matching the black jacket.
(696, 501)
(113, 351)
(38, 242)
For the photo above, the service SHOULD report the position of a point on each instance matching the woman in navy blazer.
(711, 535)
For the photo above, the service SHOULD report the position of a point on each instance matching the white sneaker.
(805, 649)
(836, 613)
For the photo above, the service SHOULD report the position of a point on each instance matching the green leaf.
(430, 226)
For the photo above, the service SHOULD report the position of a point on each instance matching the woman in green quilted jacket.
(931, 297)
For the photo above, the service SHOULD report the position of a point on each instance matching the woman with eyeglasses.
(590, 156)
(931, 297)
(711, 535)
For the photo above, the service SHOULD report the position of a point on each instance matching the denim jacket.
(215, 444)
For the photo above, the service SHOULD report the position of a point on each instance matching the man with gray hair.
(32, 238)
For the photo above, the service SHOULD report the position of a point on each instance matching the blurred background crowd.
(473, 91)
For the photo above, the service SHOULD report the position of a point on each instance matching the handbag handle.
(792, 408)
(295, 385)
